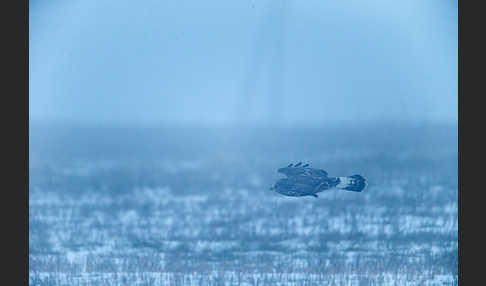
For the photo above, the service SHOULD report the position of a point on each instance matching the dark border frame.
(15, 159)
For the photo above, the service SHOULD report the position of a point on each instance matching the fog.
(157, 129)
(251, 62)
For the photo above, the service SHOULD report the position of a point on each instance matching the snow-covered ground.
(212, 220)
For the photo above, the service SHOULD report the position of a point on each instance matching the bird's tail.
(354, 183)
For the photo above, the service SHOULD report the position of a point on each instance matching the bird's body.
(305, 181)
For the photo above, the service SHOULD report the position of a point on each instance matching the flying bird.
(305, 181)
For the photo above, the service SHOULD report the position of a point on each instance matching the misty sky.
(263, 61)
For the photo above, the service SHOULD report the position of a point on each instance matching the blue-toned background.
(157, 127)
(257, 61)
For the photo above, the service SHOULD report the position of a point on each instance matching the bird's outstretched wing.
(301, 170)
(318, 173)
(295, 187)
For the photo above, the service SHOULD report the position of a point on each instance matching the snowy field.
(192, 206)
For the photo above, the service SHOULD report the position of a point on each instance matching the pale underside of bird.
(301, 180)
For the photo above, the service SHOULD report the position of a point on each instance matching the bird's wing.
(319, 172)
(302, 187)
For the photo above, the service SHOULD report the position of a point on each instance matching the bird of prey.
(302, 181)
